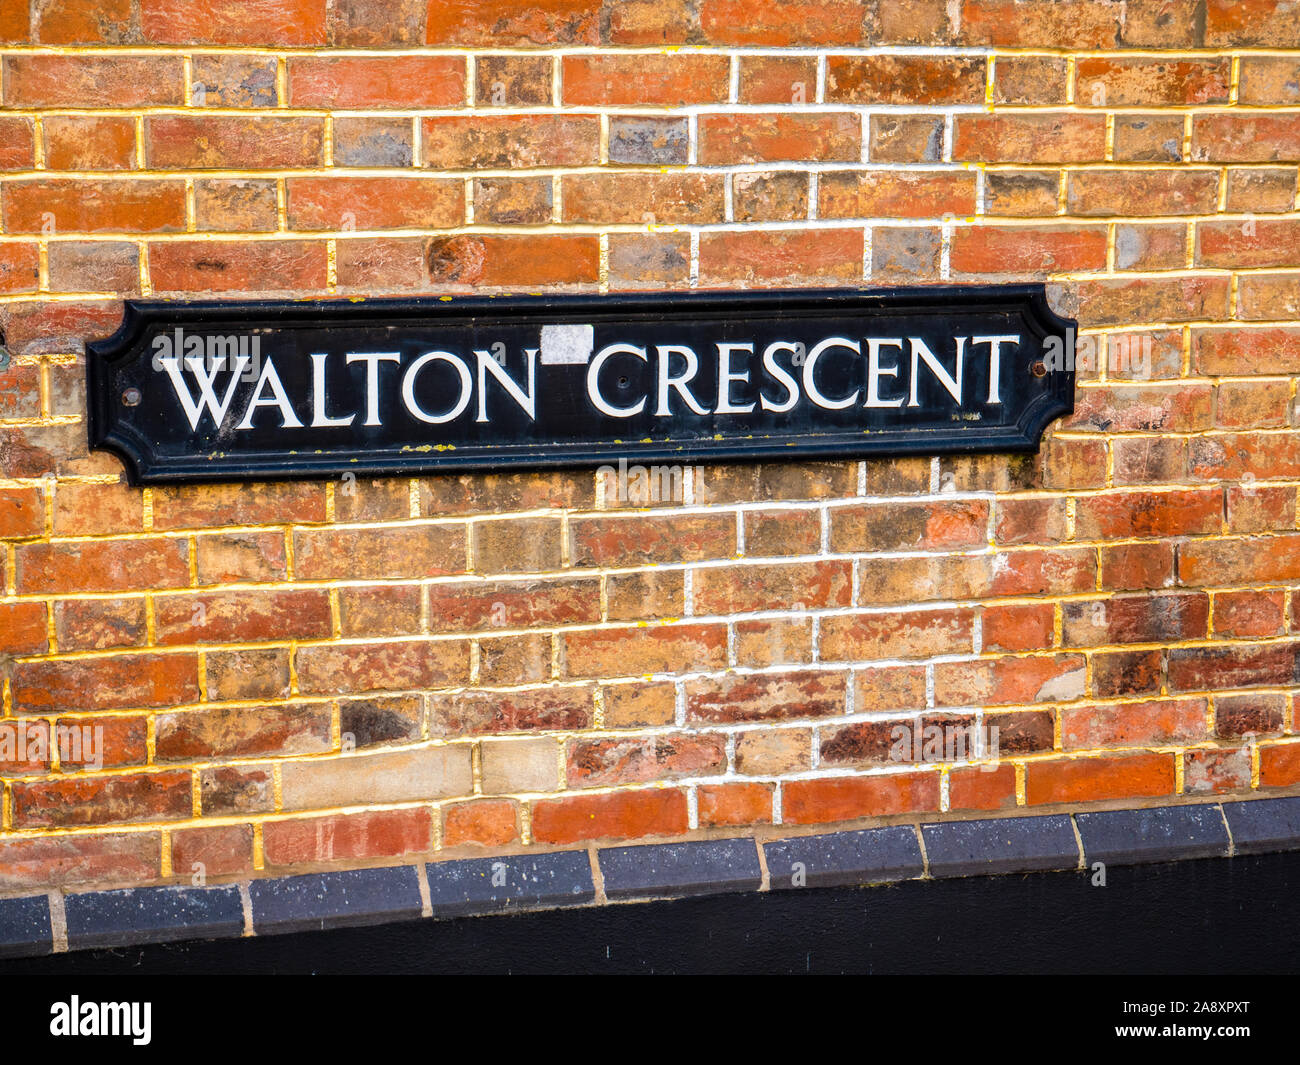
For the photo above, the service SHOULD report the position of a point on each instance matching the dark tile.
(871, 856)
(522, 881)
(1158, 835)
(152, 915)
(332, 900)
(1262, 825)
(25, 927)
(1000, 845)
(703, 868)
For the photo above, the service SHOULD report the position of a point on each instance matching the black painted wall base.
(1215, 916)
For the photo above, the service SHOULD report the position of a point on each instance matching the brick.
(533, 881)
(102, 565)
(21, 395)
(67, 860)
(1272, 350)
(1017, 627)
(234, 617)
(773, 752)
(382, 777)
(905, 138)
(1156, 192)
(771, 481)
(513, 201)
(94, 266)
(89, 143)
(363, 141)
(355, 82)
(982, 788)
(1262, 825)
(483, 823)
(889, 688)
(82, 800)
(645, 80)
(773, 643)
(782, 23)
(1004, 845)
(499, 492)
(1148, 138)
(1154, 723)
(873, 856)
(1179, 512)
(765, 697)
(1279, 766)
(1254, 242)
(512, 80)
(1047, 572)
(895, 194)
(635, 814)
(500, 23)
(908, 526)
(233, 81)
(17, 143)
(97, 624)
(1209, 668)
(93, 81)
(324, 900)
(769, 196)
(784, 257)
(1271, 23)
(1150, 247)
(196, 142)
(910, 634)
(65, 205)
(22, 512)
(1029, 79)
(515, 659)
(515, 141)
(760, 138)
(380, 720)
(234, 266)
(1135, 619)
(361, 667)
(1260, 508)
(1265, 296)
(645, 595)
(812, 802)
(237, 732)
(1106, 777)
(642, 759)
(347, 837)
(991, 249)
(1134, 82)
(223, 558)
(1269, 80)
(695, 868)
(1029, 521)
(657, 199)
(651, 539)
(235, 204)
(514, 604)
(639, 705)
(152, 914)
(1261, 189)
(1127, 673)
(25, 929)
(919, 80)
(518, 765)
(259, 22)
(1028, 679)
(777, 79)
(652, 22)
(1032, 138)
(1239, 615)
(217, 850)
(374, 203)
(1246, 138)
(380, 611)
(782, 532)
(1243, 455)
(380, 263)
(506, 261)
(1216, 771)
(236, 790)
(722, 805)
(24, 628)
(792, 586)
(1121, 301)
(647, 140)
(113, 682)
(633, 651)
(471, 712)
(248, 674)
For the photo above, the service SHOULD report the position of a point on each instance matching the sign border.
(144, 468)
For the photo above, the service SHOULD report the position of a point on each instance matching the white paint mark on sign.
(567, 344)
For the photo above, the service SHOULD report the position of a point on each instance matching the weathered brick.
(359, 667)
(352, 82)
(386, 776)
(501, 23)
(789, 586)
(811, 802)
(374, 203)
(640, 759)
(633, 814)
(93, 80)
(212, 850)
(64, 802)
(918, 80)
(384, 552)
(181, 142)
(93, 206)
(759, 138)
(483, 823)
(473, 712)
(1154, 723)
(765, 697)
(631, 651)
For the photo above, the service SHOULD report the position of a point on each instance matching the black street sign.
(226, 391)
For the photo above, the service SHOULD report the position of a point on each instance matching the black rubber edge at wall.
(60, 921)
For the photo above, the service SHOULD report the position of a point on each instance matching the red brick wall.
(343, 672)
